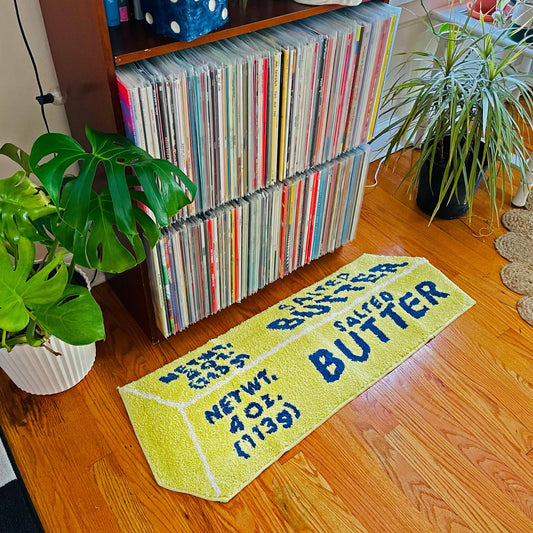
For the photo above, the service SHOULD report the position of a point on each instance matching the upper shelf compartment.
(132, 41)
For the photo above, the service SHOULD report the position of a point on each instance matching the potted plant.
(98, 217)
(462, 108)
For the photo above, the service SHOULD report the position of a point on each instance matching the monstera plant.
(97, 217)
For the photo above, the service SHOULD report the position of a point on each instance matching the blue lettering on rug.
(211, 365)
(327, 364)
(316, 302)
(253, 413)
(227, 404)
(367, 321)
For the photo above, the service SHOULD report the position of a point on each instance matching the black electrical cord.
(41, 97)
(94, 276)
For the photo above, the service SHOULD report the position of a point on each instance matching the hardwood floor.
(443, 443)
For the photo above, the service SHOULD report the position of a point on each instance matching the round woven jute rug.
(519, 221)
(525, 308)
(518, 276)
(517, 246)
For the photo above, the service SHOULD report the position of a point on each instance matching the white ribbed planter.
(37, 371)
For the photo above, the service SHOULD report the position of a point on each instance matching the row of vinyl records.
(206, 262)
(242, 113)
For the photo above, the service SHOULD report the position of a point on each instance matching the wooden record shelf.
(133, 41)
(86, 53)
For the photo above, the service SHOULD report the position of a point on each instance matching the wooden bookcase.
(85, 53)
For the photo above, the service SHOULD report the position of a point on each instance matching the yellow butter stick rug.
(212, 420)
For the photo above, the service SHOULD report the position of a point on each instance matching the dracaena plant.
(466, 92)
(101, 217)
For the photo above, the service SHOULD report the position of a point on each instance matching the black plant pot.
(454, 204)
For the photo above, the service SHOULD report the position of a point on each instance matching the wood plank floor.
(443, 443)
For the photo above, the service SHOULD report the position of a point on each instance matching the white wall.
(20, 114)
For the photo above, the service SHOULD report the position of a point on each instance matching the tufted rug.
(214, 419)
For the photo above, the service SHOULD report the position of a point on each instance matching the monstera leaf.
(20, 204)
(96, 224)
(74, 318)
(20, 291)
(17, 155)
(100, 246)
(45, 298)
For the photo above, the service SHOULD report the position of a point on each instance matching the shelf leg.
(525, 186)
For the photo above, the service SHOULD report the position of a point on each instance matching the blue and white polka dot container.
(184, 20)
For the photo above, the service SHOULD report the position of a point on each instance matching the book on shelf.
(123, 10)
(271, 127)
(112, 13)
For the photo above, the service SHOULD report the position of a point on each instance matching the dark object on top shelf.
(520, 34)
(521, 29)
(186, 20)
